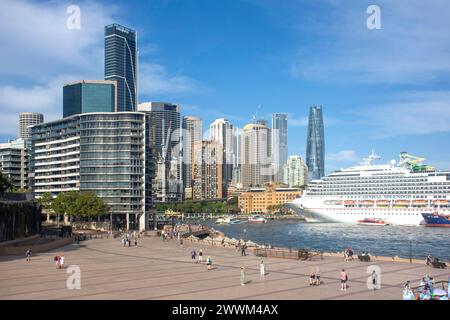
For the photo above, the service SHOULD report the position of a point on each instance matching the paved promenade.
(157, 270)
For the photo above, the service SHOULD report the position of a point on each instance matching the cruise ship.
(397, 193)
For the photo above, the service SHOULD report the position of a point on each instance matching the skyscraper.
(279, 144)
(256, 167)
(121, 64)
(192, 134)
(295, 172)
(236, 177)
(165, 120)
(315, 144)
(207, 171)
(27, 119)
(89, 96)
(14, 161)
(221, 131)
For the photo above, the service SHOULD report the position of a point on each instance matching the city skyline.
(361, 94)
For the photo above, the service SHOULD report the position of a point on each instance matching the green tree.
(46, 201)
(5, 183)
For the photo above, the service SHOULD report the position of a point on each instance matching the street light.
(344, 235)
(290, 240)
(410, 248)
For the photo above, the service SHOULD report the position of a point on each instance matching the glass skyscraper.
(279, 143)
(89, 96)
(121, 64)
(315, 144)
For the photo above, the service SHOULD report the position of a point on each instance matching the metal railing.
(299, 254)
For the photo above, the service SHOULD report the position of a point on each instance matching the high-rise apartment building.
(27, 119)
(192, 133)
(315, 144)
(14, 162)
(121, 64)
(221, 131)
(295, 172)
(165, 119)
(236, 176)
(279, 144)
(100, 152)
(207, 171)
(256, 166)
(86, 96)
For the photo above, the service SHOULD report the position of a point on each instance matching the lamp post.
(244, 233)
(410, 249)
(344, 235)
(290, 240)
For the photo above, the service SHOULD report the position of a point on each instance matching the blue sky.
(385, 89)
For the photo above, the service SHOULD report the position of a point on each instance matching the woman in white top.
(262, 271)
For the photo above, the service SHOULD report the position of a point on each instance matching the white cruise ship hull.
(315, 210)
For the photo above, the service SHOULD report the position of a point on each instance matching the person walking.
(312, 277)
(374, 280)
(28, 254)
(200, 256)
(344, 279)
(135, 242)
(208, 263)
(262, 269)
(193, 255)
(317, 276)
(242, 276)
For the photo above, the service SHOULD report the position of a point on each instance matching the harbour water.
(387, 241)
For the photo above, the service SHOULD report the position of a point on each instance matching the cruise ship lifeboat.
(349, 203)
(441, 202)
(402, 202)
(383, 203)
(367, 202)
(421, 203)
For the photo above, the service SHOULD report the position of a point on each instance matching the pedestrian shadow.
(248, 282)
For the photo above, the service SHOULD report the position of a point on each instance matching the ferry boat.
(373, 222)
(436, 220)
(227, 220)
(257, 219)
(398, 192)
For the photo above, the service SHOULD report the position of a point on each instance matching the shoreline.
(216, 241)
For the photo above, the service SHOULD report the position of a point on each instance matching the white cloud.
(155, 79)
(415, 113)
(300, 122)
(413, 46)
(342, 156)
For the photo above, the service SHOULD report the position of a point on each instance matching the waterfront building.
(207, 171)
(315, 144)
(100, 152)
(295, 172)
(121, 64)
(221, 131)
(279, 144)
(192, 133)
(27, 119)
(258, 200)
(256, 166)
(86, 96)
(14, 162)
(165, 119)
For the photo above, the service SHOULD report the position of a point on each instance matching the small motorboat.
(373, 222)
(257, 219)
(227, 220)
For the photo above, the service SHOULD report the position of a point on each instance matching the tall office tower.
(27, 119)
(89, 96)
(315, 144)
(104, 153)
(14, 162)
(295, 172)
(165, 119)
(207, 171)
(256, 167)
(221, 131)
(236, 177)
(121, 64)
(279, 144)
(192, 133)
